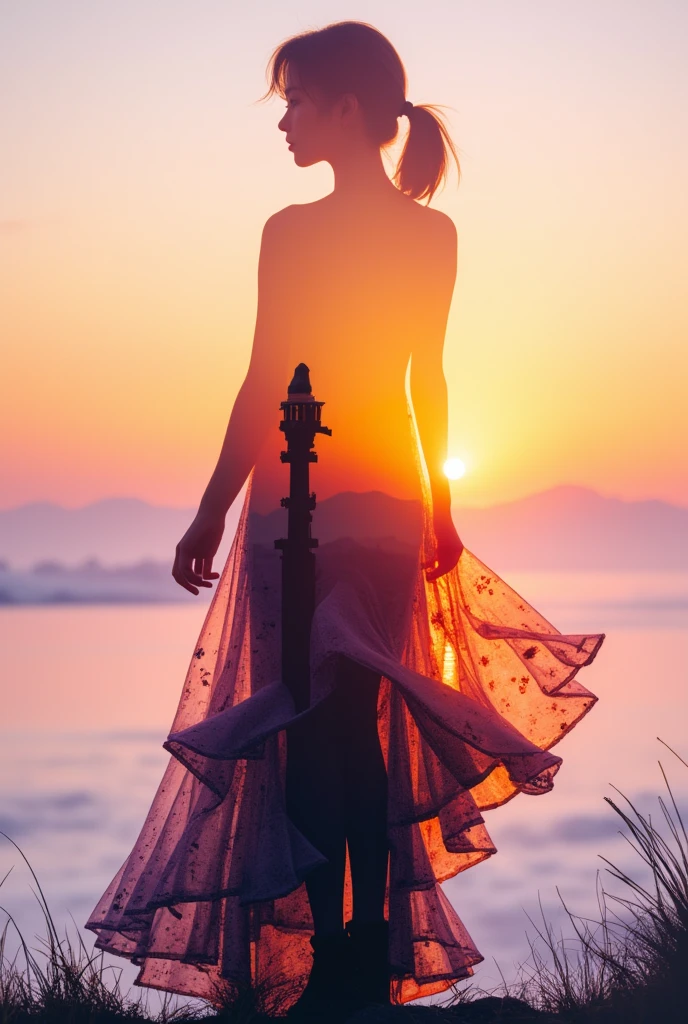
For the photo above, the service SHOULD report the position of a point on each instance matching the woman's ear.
(348, 107)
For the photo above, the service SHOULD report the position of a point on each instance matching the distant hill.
(576, 528)
(563, 528)
(115, 531)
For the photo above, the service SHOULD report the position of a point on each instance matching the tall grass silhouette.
(628, 966)
(62, 983)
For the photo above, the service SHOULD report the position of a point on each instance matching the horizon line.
(496, 504)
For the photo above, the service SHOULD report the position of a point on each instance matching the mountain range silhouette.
(563, 528)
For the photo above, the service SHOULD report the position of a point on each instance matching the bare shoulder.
(281, 223)
(295, 224)
(440, 227)
(436, 252)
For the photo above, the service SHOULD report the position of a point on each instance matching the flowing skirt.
(477, 687)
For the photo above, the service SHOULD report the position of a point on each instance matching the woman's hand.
(447, 552)
(193, 560)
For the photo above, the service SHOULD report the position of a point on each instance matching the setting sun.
(454, 469)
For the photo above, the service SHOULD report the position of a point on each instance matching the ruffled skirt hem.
(476, 689)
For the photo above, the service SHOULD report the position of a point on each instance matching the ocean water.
(88, 694)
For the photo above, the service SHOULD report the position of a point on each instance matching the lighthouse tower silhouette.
(300, 424)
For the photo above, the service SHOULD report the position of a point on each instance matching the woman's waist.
(368, 466)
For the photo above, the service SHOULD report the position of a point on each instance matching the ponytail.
(424, 162)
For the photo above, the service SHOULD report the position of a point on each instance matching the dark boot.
(327, 995)
(370, 962)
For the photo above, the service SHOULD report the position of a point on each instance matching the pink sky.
(139, 171)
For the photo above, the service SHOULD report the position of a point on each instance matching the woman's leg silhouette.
(365, 795)
(336, 792)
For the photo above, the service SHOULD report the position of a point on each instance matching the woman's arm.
(429, 390)
(251, 415)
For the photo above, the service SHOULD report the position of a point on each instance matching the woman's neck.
(359, 175)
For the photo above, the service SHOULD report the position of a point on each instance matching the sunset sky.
(138, 171)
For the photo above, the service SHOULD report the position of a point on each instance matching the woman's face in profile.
(307, 129)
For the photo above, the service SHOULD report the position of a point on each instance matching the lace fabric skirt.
(477, 688)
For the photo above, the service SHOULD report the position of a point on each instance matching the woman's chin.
(302, 160)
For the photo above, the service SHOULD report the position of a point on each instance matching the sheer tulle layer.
(477, 687)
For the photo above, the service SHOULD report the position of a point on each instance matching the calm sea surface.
(88, 695)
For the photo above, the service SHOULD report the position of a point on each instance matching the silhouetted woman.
(431, 680)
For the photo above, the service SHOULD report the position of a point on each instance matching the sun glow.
(454, 469)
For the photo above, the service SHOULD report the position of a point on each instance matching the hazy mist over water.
(89, 693)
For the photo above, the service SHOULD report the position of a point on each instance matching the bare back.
(356, 299)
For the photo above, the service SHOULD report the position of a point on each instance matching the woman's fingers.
(434, 574)
(196, 574)
(446, 557)
(440, 570)
(208, 573)
(180, 578)
(192, 568)
(185, 574)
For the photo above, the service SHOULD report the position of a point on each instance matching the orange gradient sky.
(138, 172)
